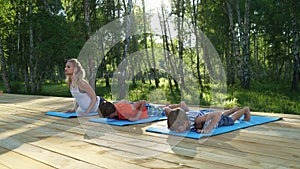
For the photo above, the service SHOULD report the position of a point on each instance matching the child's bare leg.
(244, 111)
(230, 111)
(173, 106)
(184, 106)
(247, 115)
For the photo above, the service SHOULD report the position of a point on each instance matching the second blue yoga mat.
(255, 120)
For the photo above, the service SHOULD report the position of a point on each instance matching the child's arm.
(136, 117)
(124, 101)
(215, 118)
(139, 105)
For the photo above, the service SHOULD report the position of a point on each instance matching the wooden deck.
(31, 140)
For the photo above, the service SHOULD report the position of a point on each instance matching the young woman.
(85, 96)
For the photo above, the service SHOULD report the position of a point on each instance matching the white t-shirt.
(83, 99)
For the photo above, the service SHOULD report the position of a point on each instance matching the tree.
(3, 69)
(233, 31)
(5, 23)
(246, 47)
(295, 44)
(122, 77)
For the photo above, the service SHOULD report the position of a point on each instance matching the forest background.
(257, 42)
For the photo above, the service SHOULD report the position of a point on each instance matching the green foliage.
(262, 97)
(268, 97)
(60, 31)
(61, 90)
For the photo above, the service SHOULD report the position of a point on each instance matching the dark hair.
(107, 108)
(176, 118)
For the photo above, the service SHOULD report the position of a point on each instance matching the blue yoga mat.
(68, 115)
(126, 122)
(239, 124)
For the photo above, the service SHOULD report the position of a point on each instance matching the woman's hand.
(83, 113)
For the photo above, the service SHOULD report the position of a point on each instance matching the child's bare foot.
(167, 111)
(184, 106)
(247, 115)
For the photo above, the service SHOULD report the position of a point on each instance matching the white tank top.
(83, 99)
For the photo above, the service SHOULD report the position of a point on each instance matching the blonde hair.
(78, 75)
(176, 118)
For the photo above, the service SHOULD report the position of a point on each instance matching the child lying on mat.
(181, 120)
(125, 110)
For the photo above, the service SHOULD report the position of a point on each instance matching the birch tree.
(92, 70)
(122, 76)
(195, 5)
(235, 43)
(295, 46)
(3, 69)
(4, 23)
(32, 67)
(245, 83)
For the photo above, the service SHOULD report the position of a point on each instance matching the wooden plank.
(2, 166)
(128, 140)
(45, 156)
(67, 151)
(272, 145)
(10, 159)
(63, 148)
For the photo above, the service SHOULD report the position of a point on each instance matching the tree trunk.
(295, 49)
(235, 43)
(239, 33)
(32, 75)
(154, 63)
(246, 48)
(255, 41)
(122, 77)
(229, 64)
(145, 34)
(166, 47)
(87, 19)
(195, 25)
(91, 69)
(180, 16)
(169, 58)
(47, 7)
(3, 69)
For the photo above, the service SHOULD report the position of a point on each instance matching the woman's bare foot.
(184, 106)
(247, 115)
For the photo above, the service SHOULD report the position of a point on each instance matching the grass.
(262, 97)
(268, 97)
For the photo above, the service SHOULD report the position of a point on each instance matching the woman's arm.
(83, 85)
(74, 109)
